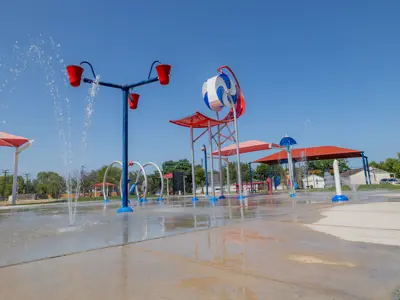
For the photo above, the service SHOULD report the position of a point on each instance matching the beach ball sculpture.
(220, 91)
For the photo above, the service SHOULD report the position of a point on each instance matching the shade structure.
(9, 140)
(312, 153)
(197, 120)
(20, 144)
(248, 146)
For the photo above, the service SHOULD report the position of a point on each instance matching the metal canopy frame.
(206, 125)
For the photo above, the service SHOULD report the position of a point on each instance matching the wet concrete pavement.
(263, 252)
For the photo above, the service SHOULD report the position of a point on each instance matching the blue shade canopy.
(287, 141)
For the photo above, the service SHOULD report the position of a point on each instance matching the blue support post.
(124, 192)
(364, 166)
(194, 199)
(251, 178)
(369, 174)
(205, 168)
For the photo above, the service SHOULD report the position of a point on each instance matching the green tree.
(182, 165)
(6, 185)
(21, 185)
(262, 172)
(200, 176)
(321, 165)
(391, 165)
(50, 183)
(244, 171)
(88, 180)
(232, 173)
(153, 183)
(113, 175)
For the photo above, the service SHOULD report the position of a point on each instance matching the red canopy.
(313, 153)
(248, 146)
(197, 120)
(101, 184)
(9, 140)
(168, 176)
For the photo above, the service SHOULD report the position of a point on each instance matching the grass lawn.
(364, 187)
(81, 199)
(329, 189)
(371, 187)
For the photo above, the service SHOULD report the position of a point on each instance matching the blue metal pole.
(251, 178)
(369, 174)
(194, 199)
(124, 192)
(205, 168)
(364, 166)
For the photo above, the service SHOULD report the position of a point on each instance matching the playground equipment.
(339, 196)
(105, 189)
(163, 71)
(134, 187)
(160, 194)
(218, 92)
(287, 142)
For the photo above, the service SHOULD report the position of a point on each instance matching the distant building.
(357, 176)
(314, 182)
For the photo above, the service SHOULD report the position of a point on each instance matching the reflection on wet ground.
(265, 251)
(39, 232)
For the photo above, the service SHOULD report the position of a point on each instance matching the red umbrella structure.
(9, 140)
(248, 146)
(20, 144)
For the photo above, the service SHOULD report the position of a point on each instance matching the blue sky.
(334, 63)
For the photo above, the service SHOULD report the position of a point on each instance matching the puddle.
(315, 260)
(216, 288)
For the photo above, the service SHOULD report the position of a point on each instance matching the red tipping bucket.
(133, 101)
(75, 75)
(163, 73)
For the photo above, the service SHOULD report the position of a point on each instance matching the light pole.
(251, 178)
(204, 149)
(184, 185)
(27, 175)
(163, 71)
(81, 181)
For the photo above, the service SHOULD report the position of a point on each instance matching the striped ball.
(216, 90)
